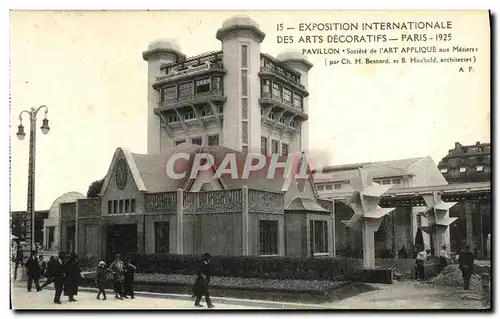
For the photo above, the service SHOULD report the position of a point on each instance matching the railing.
(89, 207)
(262, 201)
(282, 74)
(191, 70)
(191, 97)
(266, 95)
(160, 202)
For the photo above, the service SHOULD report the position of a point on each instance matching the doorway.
(120, 239)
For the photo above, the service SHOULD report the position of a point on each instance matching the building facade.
(238, 96)
(467, 163)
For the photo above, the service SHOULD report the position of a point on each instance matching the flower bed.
(276, 285)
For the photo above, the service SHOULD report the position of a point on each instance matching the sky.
(87, 67)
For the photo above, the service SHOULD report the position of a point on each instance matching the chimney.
(478, 143)
(457, 145)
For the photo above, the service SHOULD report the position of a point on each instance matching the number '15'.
(279, 26)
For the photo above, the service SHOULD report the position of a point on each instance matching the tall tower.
(241, 39)
(297, 61)
(159, 53)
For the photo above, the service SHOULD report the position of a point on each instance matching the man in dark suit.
(49, 272)
(33, 268)
(203, 274)
(58, 272)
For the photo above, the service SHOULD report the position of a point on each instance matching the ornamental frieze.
(68, 211)
(160, 202)
(261, 201)
(89, 207)
(220, 201)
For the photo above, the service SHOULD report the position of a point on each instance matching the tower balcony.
(190, 71)
(285, 78)
(191, 99)
(273, 103)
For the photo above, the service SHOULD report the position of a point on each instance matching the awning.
(302, 203)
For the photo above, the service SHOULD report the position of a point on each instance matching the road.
(23, 299)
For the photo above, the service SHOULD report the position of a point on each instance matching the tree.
(95, 188)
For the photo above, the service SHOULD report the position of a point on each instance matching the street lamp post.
(30, 207)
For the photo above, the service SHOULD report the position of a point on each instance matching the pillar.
(180, 222)
(334, 240)
(245, 233)
(368, 231)
(469, 229)
(76, 239)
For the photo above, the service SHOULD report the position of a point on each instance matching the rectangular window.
(185, 90)
(396, 181)
(274, 147)
(121, 206)
(202, 86)
(287, 95)
(263, 145)
(329, 187)
(169, 93)
(284, 149)
(463, 169)
(319, 236)
(127, 206)
(132, 206)
(196, 141)
(268, 237)
(297, 101)
(337, 186)
(207, 111)
(320, 187)
(266, 86)
(386, 182)
(162, 237)
(479, 168)
(444, 170)
(110, 207)
(115, 207)
(277, 91)
(213, 140)
(180, 142)
(173, 119)
(282, 120)
(292, 124)
(217, 84)
(189, 115)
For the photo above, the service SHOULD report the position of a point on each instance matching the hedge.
(308, 268)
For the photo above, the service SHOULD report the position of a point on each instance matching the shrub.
(309, 268)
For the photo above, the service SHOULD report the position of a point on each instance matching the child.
(128, 279)
(101, 280)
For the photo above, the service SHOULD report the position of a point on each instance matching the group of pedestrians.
(63, 271)
(123, 278)
(465, 262)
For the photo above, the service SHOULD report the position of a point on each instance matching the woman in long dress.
(72, 277)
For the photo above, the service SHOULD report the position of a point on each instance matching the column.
(180, 221)
(468, 223)
(245, 238)
(333, 241)
(368, 227)
(79, 234)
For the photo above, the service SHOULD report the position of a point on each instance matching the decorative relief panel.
(244, 56)
(89, 207)
(244, 82)
(244, 108)
(244, 135)
(220, 201)
(261, 201)
(68, 211)
(161, 202)
(301, 184)
(190, 200)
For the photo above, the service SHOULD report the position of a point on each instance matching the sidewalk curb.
(220, 300)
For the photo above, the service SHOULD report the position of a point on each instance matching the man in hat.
(466, 264)
(33, 269)
(203, 273)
